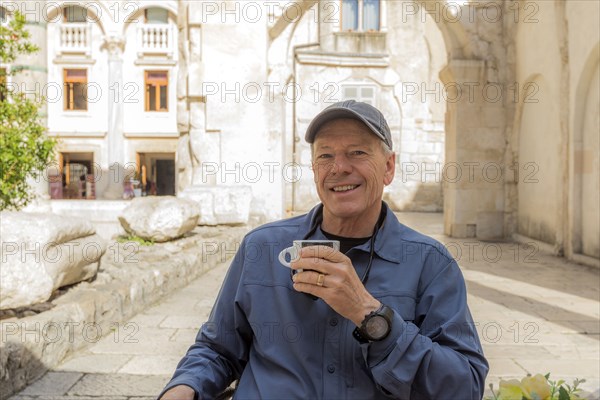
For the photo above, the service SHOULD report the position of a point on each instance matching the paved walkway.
(536, 313)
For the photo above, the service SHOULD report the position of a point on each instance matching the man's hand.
(180, 392)
(339, 286)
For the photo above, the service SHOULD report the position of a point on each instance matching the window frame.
(69, 93)
(157, 92)
(360, 18)
(156, 23)
(359, 86)
(65, 18)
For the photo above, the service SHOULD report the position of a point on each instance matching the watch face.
(377, 327)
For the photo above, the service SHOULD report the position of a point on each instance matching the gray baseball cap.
(364, 112)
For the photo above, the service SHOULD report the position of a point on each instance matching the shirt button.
(330, 368)
(333, 321)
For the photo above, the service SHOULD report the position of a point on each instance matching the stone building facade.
(493, 105)
(107, 71)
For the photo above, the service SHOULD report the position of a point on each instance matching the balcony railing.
(75, 38)
(156, 39)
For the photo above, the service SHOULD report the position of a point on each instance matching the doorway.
(157, 172)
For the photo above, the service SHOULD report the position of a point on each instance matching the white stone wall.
(557, 127)
(232, 139)
(538, 73)
(584, 159)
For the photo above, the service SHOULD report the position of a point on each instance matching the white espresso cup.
(294, 251)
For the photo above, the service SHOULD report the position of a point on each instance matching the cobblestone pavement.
(536, 313)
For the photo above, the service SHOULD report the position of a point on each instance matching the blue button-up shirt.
(282, 344)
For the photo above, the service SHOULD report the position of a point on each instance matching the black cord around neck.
(318, 220)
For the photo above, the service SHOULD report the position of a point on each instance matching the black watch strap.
(383, 311)
(358, 336)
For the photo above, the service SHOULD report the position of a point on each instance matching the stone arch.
(456, 38)
(133, 18)
(453, 31)
(519, 109)
(100, 14)
(465, 215)
(584, 161)
(463, 65)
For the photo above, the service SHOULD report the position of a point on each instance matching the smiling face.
(350, 170)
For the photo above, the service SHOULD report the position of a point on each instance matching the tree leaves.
(14, 39)
(24, 147)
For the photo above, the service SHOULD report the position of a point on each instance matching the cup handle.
(293, 252)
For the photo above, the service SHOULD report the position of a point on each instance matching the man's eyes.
(352, 153)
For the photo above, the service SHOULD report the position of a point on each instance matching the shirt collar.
(386, 242)
(389, 238)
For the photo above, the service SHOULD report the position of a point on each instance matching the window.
(349, 15)
(362, 93)
(360, 15)
(74, 14)
(157, 173)
(157, 85)
(75, 93)
(156, 16)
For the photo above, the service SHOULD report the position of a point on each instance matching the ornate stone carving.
(115, 45)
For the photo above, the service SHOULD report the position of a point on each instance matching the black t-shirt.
(346, 243)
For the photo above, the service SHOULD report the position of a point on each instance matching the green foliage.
(14, 39)
(24, 148)
(136, 239)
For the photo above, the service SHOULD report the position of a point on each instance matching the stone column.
(183, 159)
(474, 172)
(115, 46)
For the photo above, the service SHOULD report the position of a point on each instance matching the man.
(384, 317)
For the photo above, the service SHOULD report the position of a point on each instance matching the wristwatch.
(376, 325)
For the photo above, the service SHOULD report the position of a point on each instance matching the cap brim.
(335, 113)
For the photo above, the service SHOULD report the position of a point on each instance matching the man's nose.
(341, 165)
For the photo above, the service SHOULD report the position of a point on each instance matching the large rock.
(43, 252)
(160, 218)
(220, 205)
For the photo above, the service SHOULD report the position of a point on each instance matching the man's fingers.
(311, 282)
(322, 259)
(315, 278)
(324, 252)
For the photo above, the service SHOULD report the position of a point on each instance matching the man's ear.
(390, 169)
